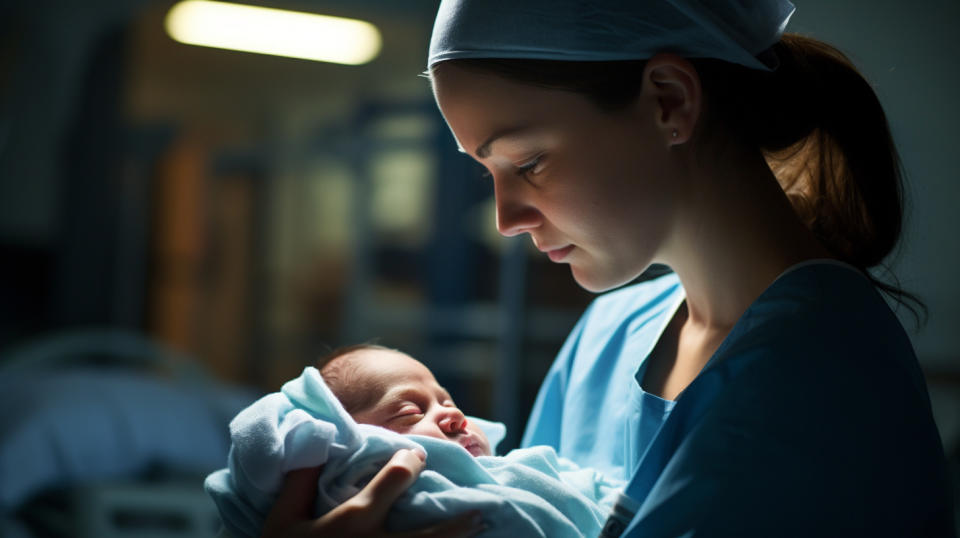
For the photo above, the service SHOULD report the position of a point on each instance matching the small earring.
(675, 133)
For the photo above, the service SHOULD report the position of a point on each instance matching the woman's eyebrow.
(483, 150)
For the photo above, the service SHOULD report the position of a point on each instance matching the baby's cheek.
(400, 427)
(426, 429)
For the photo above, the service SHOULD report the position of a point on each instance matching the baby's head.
(387, 388)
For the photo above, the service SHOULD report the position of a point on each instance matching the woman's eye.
(531, 167)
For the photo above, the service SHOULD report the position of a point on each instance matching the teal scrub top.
(812, 417)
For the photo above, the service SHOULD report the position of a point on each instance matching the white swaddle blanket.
(528, 492)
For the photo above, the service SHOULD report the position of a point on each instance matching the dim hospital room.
(196, 215)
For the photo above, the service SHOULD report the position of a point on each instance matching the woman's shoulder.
(825, 326)
(822, 329)
(827, 284)
(827, 305)
(823, 389)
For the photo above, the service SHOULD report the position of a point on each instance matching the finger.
(297, 495)
(388, 484)
(462, 526)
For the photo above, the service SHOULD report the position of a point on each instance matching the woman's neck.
(735, 234)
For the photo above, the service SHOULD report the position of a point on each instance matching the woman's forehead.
(474, 87)
(483, 108)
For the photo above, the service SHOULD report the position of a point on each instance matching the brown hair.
(339, 374)
(815, 118)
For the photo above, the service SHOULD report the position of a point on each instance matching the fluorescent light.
(273, 31)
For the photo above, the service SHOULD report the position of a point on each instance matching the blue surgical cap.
(737, 31)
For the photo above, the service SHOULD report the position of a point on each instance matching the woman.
(764, 388)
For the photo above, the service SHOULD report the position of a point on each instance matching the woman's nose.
(452, 421)
(514, 215)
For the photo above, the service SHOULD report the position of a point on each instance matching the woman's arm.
(364, 514)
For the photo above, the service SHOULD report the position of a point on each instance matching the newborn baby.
(361, 406)
(387, 388)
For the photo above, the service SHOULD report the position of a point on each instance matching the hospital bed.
(107, 434)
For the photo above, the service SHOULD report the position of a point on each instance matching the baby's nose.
(452, 421)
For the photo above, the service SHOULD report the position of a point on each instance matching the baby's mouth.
(471, 445)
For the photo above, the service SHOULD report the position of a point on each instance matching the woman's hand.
(364, 514)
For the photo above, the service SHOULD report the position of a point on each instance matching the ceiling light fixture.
(273, 31)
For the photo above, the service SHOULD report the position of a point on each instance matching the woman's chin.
(600, 279)
(594, 282)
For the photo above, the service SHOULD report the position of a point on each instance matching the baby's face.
(410, 400)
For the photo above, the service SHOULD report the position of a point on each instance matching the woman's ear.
(675, 85)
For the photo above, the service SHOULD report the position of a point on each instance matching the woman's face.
(592, 188)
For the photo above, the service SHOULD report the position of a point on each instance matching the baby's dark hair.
(340, 374)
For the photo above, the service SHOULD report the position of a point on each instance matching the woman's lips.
(559, 254)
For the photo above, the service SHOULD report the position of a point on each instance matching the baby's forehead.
(384, 369)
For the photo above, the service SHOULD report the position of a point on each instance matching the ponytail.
(826, 138)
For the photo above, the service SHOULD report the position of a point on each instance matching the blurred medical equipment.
(107, 434)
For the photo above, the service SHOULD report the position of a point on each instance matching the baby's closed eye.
(407, 412)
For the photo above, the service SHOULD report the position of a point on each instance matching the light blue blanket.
(528, 492)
